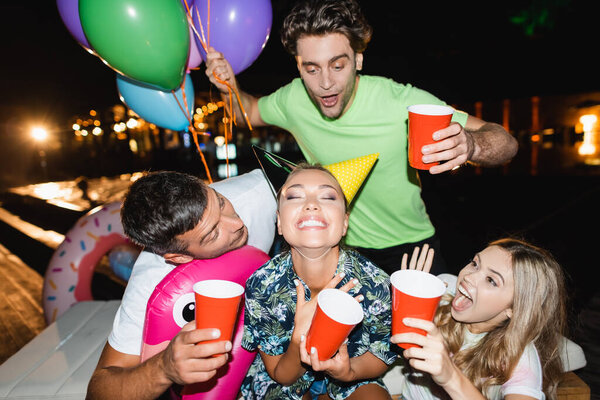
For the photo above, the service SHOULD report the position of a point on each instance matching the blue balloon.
(121, 259)
(159, 107)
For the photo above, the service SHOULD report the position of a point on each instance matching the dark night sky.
(460, 51)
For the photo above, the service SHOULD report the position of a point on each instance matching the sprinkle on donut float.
(68, 278)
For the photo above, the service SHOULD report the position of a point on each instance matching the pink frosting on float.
(83, 289)
(68, 277)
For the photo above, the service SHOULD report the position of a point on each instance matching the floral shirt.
(269, 321)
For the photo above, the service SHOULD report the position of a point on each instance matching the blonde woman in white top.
(491, 339)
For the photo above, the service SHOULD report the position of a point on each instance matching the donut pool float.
(171, 306)
(68, 278)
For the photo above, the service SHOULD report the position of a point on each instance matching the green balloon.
(145, 40)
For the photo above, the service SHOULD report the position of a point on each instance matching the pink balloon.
(171, 306)
(195, 58)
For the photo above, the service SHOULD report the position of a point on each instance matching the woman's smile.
(311, 223)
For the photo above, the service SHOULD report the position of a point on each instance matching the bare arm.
(431, 356)
(479, 142)
(344, 368)
(366, 366)
(492, 144)
(122, 376)
(220, 74)
(286, 368)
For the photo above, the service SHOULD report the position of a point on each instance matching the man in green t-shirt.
(336, 114)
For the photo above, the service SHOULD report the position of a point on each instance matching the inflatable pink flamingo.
(171, 306)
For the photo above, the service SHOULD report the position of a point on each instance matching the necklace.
(313, 258)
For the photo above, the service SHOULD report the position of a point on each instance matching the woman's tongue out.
(462, 300)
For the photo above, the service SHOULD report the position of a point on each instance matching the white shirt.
(526, 378)
(252, 199)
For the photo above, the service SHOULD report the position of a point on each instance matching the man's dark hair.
(160, 206)
(321, 17)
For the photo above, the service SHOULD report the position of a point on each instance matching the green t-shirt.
(388, 210)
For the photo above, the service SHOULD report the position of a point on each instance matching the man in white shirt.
(177, 218)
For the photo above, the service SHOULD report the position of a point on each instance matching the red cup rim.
(417, 283)
(218, 288)
(430, 109)
(340, 306)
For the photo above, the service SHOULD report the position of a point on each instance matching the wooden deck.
(21, 309)
(21, 313)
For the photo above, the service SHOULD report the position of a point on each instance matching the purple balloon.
(69, 13)
(186, 4)
(238, 28)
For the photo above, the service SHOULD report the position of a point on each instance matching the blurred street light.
(119, 127)
(219, 140)
(132, 123)
(39, 134)
(588, 122)
(40, 137)
(588, 146)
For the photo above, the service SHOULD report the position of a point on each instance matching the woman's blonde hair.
(538, 316)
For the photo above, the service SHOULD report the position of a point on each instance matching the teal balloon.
(162, 108)
(145, 40)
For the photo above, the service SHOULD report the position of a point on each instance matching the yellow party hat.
(352, 173)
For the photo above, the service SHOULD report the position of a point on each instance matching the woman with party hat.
(281, 296)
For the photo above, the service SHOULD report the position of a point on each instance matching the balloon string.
(185, 103)
(200, 36)
(231, 119)
(195, 136)
(231, 115)
(185, 113)
(207, 24)
(191, 24)
(228, 124)
(205, 43)
(193, 130)
(185, 109)
(187, 7)
(237, 95)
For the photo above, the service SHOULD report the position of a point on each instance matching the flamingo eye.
(184, 309)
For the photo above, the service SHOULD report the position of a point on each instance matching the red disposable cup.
(217, 305)
(423, 121)
(336, 315)
(415, 294)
